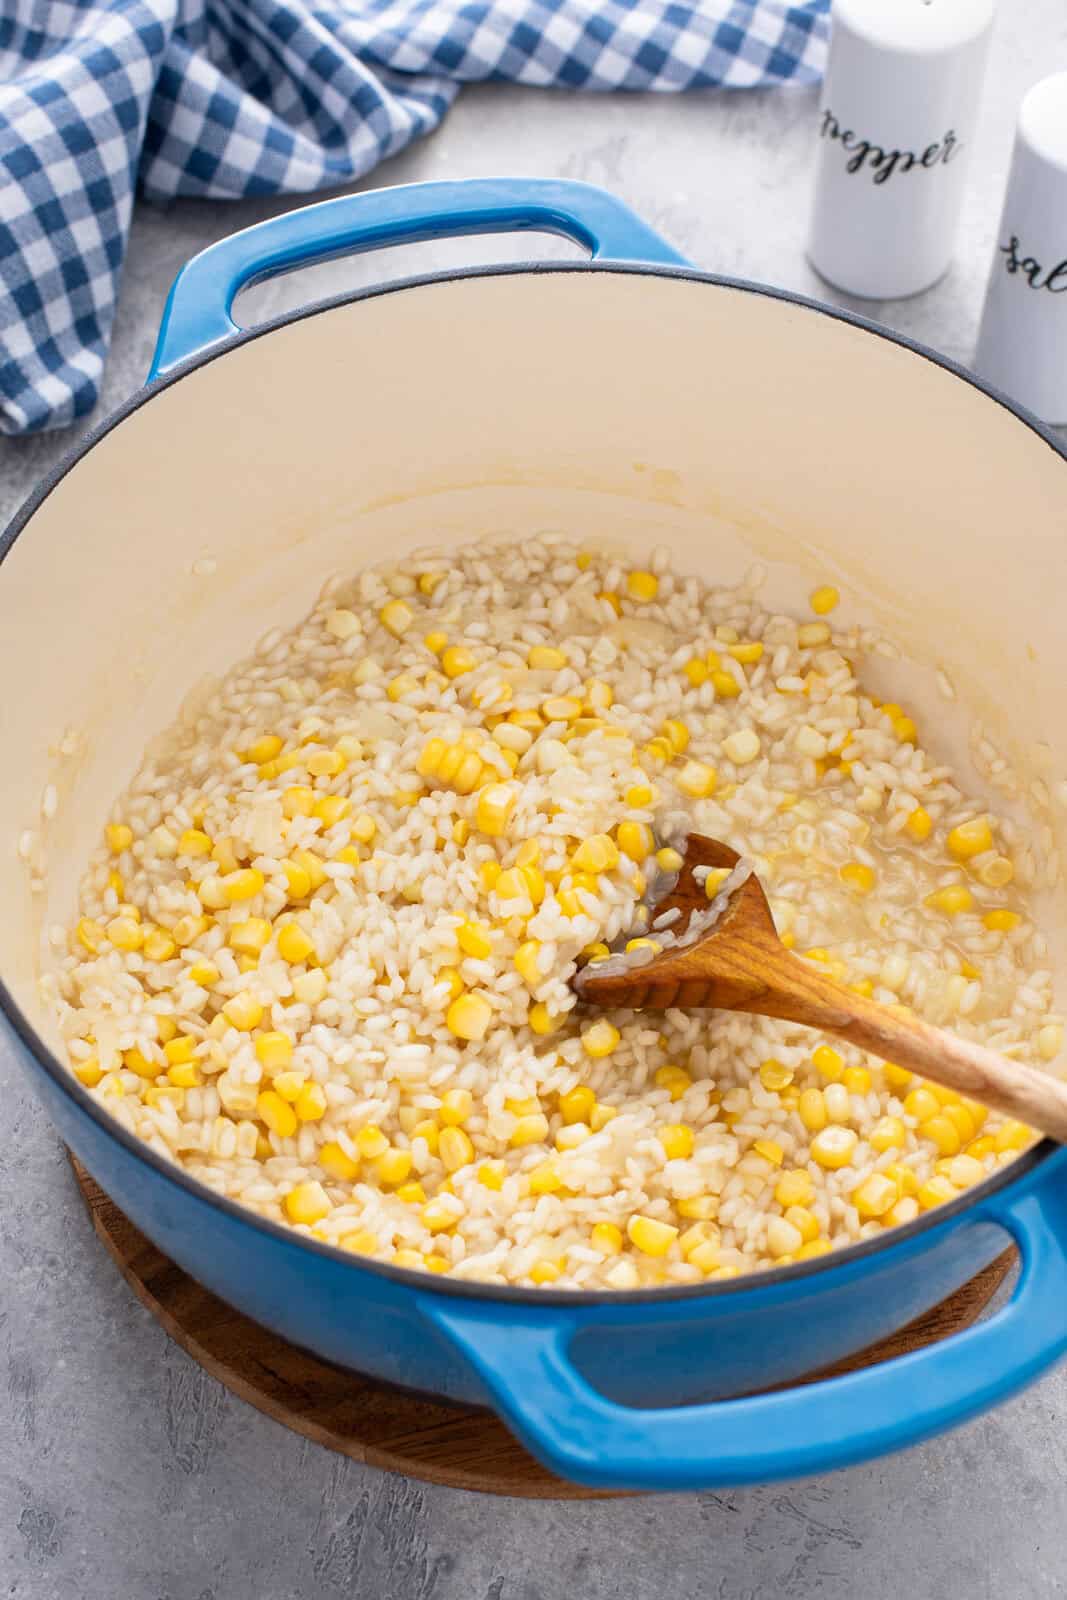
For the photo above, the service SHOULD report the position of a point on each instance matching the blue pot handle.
(198, 309)
(524, 1363)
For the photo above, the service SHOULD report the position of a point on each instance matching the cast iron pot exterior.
(623, 1390)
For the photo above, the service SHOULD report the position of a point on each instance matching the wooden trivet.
(373, 1422)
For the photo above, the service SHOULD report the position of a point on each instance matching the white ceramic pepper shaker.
(896, 122)
(1022, 345)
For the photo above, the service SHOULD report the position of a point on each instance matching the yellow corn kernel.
(450, 976)
(530, 1128)
(935, 1192)
(857, 1080)
(326, 763)
(858, 876)
(491, 1175)
(185, 1075)
(441, 1213)
(774, 1076)
(495, 805)
(243, 884)
(922, 1104)
(370, 1141)
(972, 838)
(770, 1150)
(469, 1016)
(89, 934)
(546, 658)
(600, 1039)
(488, 873)
(961, 1120)
(473, 939)
(828, 1062)
(794, 1188)
(953, 899)
(696, 670)
(598, 853)
(919, 825)
(700, 1233)
(823, 600)
(294, 945)
(125, 933)
(611, 598)
(635, 840)
(888, 1133)
(904, 1178)
(545, 1179)
(651, 1237)
(811, 1108)
(115, 882)
(699, 1207)
(331, 809)
(205, 973)
(642, 586)
(180, 1050)
(194, 842)
(669, 860)
(88, 1072)
(562, 708)
(250, 936)
(676, 733)
(980, 1148)
(832, 1147)
(804, 1221)
(677, 1141)
(308, 1203)
(311, 1103)
(577, 1104)
(119, 837)
(527, 964)
(394, 1167)
(274, 1051)
(456, 659)
(428, 1131)
(874, 1197)
(1012, 1136)
(675, 1079)
(1001, 921)
(337, 1162)
(705, 1256)
(545, 1272)
(158, 945)
(814, 1247)
(725, 685)
(637, 796)
(697, 780)
(455, 1149)
(243, 1011)
(456, 1107)
(396, 617)
(542, 1020)
(298, 801)
(276, 1113)
(606, 1238)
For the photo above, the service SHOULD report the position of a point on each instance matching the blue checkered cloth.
(226, 98)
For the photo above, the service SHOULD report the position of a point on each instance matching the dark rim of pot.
(412, 1278)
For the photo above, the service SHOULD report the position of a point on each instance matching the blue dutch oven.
(632, 397)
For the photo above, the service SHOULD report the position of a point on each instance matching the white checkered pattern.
(240, 97)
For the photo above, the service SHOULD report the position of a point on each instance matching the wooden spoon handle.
(1036, 1098)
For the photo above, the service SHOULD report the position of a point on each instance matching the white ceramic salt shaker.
(896, 123)
(1022, 345)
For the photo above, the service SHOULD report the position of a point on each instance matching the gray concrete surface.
(125, 1472)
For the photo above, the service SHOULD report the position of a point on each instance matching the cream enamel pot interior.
(651, 405)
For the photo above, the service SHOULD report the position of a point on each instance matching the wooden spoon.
(740, 964)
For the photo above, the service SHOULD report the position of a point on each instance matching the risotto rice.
(325, 949)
